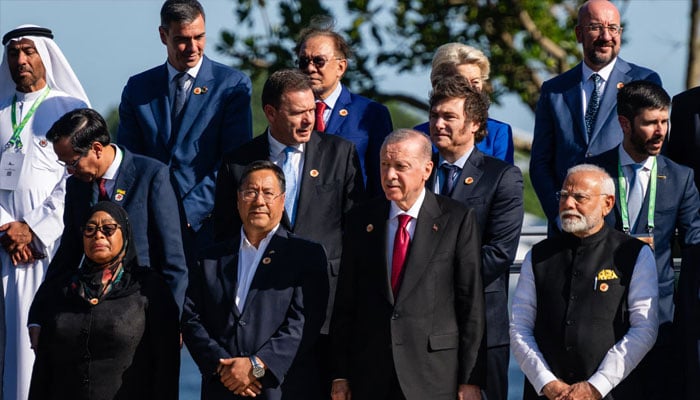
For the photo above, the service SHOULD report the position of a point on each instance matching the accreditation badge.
(647, 238)
(10, 169)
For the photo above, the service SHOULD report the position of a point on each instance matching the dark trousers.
(497, 373)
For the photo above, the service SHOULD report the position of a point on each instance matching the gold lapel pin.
(197, 90)
(43, 142)
(370, 228)
(620, 85)
(266, 260)
(469, 180)
(343, 113)
(661, 176)
(313, 173)
(604, 287)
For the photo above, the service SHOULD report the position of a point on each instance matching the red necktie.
(398, 259)
(103, 190)
(320, 108)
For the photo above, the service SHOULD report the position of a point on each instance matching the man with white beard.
(585, 308)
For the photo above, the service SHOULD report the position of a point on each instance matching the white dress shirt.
(587, 83)
(248, 259)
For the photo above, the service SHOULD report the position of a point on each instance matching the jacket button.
(395, 316)
(572, 297)
(242, 323)
(569, 322)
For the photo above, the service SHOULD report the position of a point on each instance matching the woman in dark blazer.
(109, 330)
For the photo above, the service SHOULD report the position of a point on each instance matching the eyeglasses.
(318, 61)
(108, 230)
(613, 30)
(579, 198)
(250, 195)
(72, 165)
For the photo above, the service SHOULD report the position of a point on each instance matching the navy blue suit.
(684, 139)
(560, 140)
(280, 321)
(144, 190)
(216, 119)
(365, 123)
(495, 192)
(497, 143)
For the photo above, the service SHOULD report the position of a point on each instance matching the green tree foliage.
(527, 41)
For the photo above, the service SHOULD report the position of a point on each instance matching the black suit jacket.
(331, 184)
(684, 139)
(432, 333)
(144, 190)
(494, 189)
(281, 319)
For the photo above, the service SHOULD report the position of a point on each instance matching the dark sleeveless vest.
(582, 288)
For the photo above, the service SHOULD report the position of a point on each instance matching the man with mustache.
(657, 197)
(584, 311)
(575, 116)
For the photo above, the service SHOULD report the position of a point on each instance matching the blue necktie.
(593, 106)
(290, 177)
(451, 172)
(180, 94)
(636, 195)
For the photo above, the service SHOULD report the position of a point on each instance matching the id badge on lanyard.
(10, 169)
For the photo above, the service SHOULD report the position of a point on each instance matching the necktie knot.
(102, 188)
(320, 109)
(451, 172)
(403, 220)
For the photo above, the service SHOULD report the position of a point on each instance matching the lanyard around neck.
(622, 184)
(15, 141)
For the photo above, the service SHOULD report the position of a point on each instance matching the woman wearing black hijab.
(109, 330)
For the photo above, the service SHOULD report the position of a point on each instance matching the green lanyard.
(15, 140)
(622, 183)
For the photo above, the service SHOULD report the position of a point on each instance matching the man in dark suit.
(409, 320)
(684, 139)
(187, 113)
(657, 198)
(328, 174)
(323, 56)
(141, 185)
(256, 302)
(494, 189)
(575, 116)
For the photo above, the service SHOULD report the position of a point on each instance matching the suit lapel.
(160, 107)
(312, 162)
(228, 276)
(470, 176)
(269, 267)
(195, 101)
(572, 98)
(428, 231)
(125, 179)
(337, 118)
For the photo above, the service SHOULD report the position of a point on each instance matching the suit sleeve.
(354, 186)
(542, 171)
(225, 200)
(162, 330)
(164, 209)
(502, 231)
(469, 303)
(236, 129)
(305, 314)
(688, 219)
(503, 142)
(129, 133)
(205, 350)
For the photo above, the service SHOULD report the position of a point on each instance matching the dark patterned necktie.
(593, 105)
(451, 173)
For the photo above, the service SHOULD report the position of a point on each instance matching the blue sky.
(108, 41)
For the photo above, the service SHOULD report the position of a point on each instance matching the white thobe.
(38, 201)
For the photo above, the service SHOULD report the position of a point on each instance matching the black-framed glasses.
(580, 198)
(613, 30)
(250, 195)
(318, 61)
(90, 230)
(72, 165)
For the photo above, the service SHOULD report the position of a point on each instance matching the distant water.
(190, 378)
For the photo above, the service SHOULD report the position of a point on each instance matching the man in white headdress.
(37, 86)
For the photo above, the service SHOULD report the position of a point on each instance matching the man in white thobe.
(37, 86)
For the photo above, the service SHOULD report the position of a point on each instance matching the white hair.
(607, 186)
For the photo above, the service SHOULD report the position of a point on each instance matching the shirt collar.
(113, 169)
(192, 72)
(277, 148)
(394, 210)
(604, 72)
(263, 243)
(460, 161)
(333, 97)
(625, 159)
